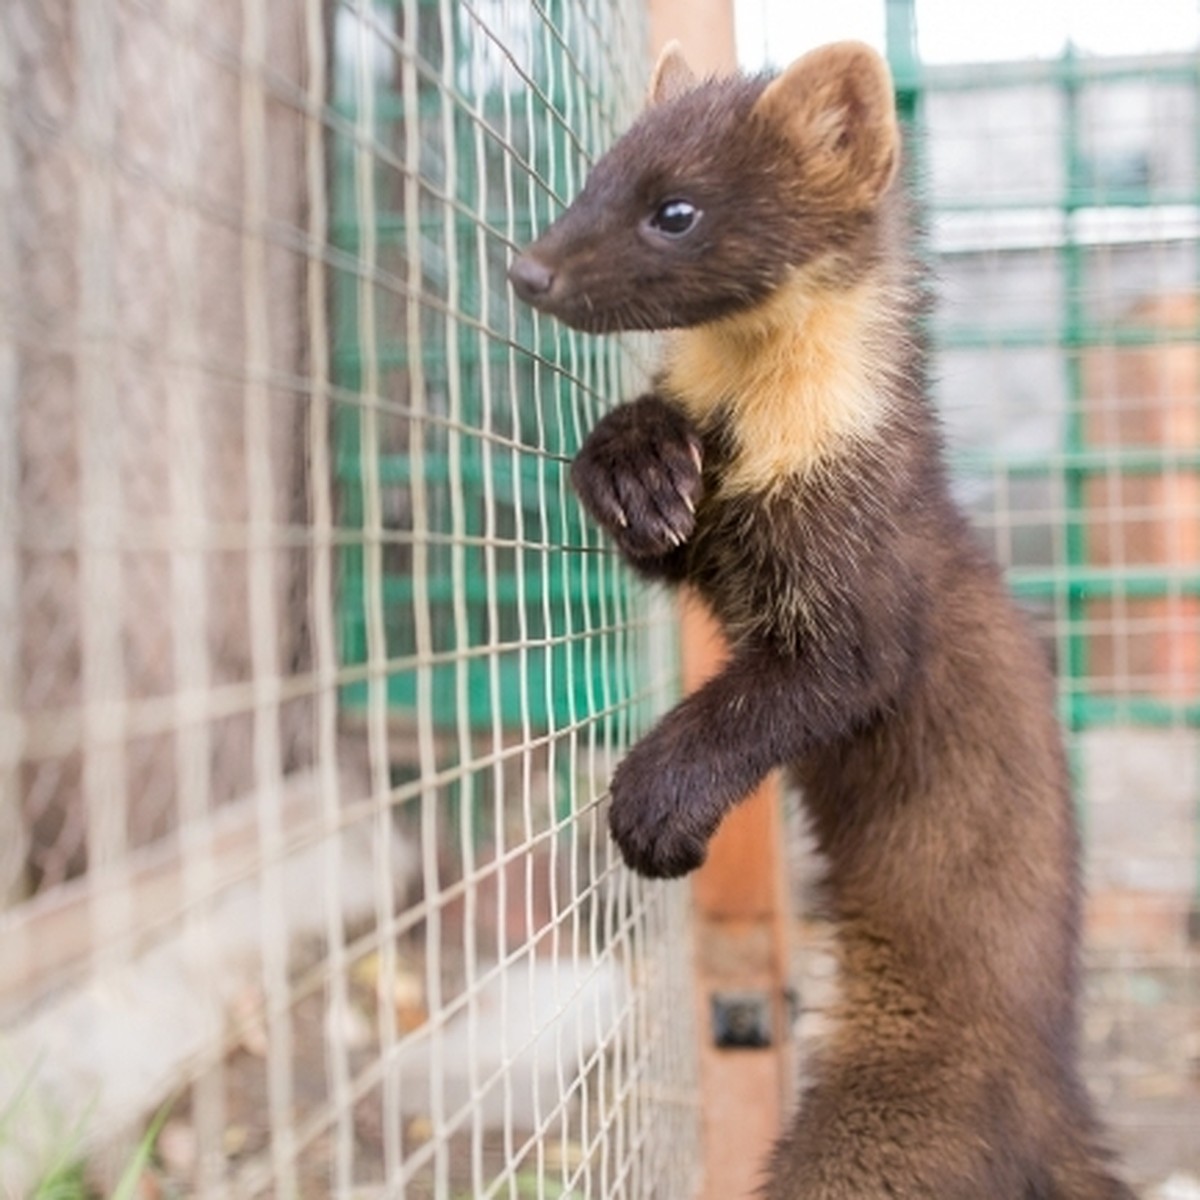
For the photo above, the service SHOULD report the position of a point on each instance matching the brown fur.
(788, 466)
(836, 107)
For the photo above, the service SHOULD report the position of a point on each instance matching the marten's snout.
(530, 278)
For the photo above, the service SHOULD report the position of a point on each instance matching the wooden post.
(703, 27)
(741, 948)
(740, 892)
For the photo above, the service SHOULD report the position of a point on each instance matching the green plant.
(126, 1185)
(64, 1177)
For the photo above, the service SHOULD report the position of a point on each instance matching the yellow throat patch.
(798, 375)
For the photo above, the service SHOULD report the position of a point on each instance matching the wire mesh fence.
(315, 677)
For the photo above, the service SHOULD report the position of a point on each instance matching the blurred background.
(313, 673)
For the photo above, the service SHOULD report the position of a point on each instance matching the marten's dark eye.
(675, 218)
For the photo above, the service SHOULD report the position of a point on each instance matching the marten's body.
(787, 466)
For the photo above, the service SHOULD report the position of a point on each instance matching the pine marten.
(787, 465)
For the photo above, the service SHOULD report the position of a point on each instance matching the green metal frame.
(1077, 461)
(1074, 583)
(498, 551)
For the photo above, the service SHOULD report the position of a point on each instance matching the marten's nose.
(530, 278)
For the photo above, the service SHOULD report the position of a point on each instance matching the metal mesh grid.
(317, 678)
(1064, 230)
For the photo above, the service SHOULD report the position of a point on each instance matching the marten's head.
(719, 192)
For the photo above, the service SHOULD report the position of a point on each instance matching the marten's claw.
(638, 474)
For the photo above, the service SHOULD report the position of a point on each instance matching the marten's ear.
(837, 107)
(671, 76)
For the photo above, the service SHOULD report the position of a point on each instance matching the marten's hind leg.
(903, 1126)
(1082, 1174)
(932, 1124)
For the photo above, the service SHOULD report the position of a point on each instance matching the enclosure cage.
(1060, 200)
(317, 675)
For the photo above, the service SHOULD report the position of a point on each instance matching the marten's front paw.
(659, 817)
(638, 474)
